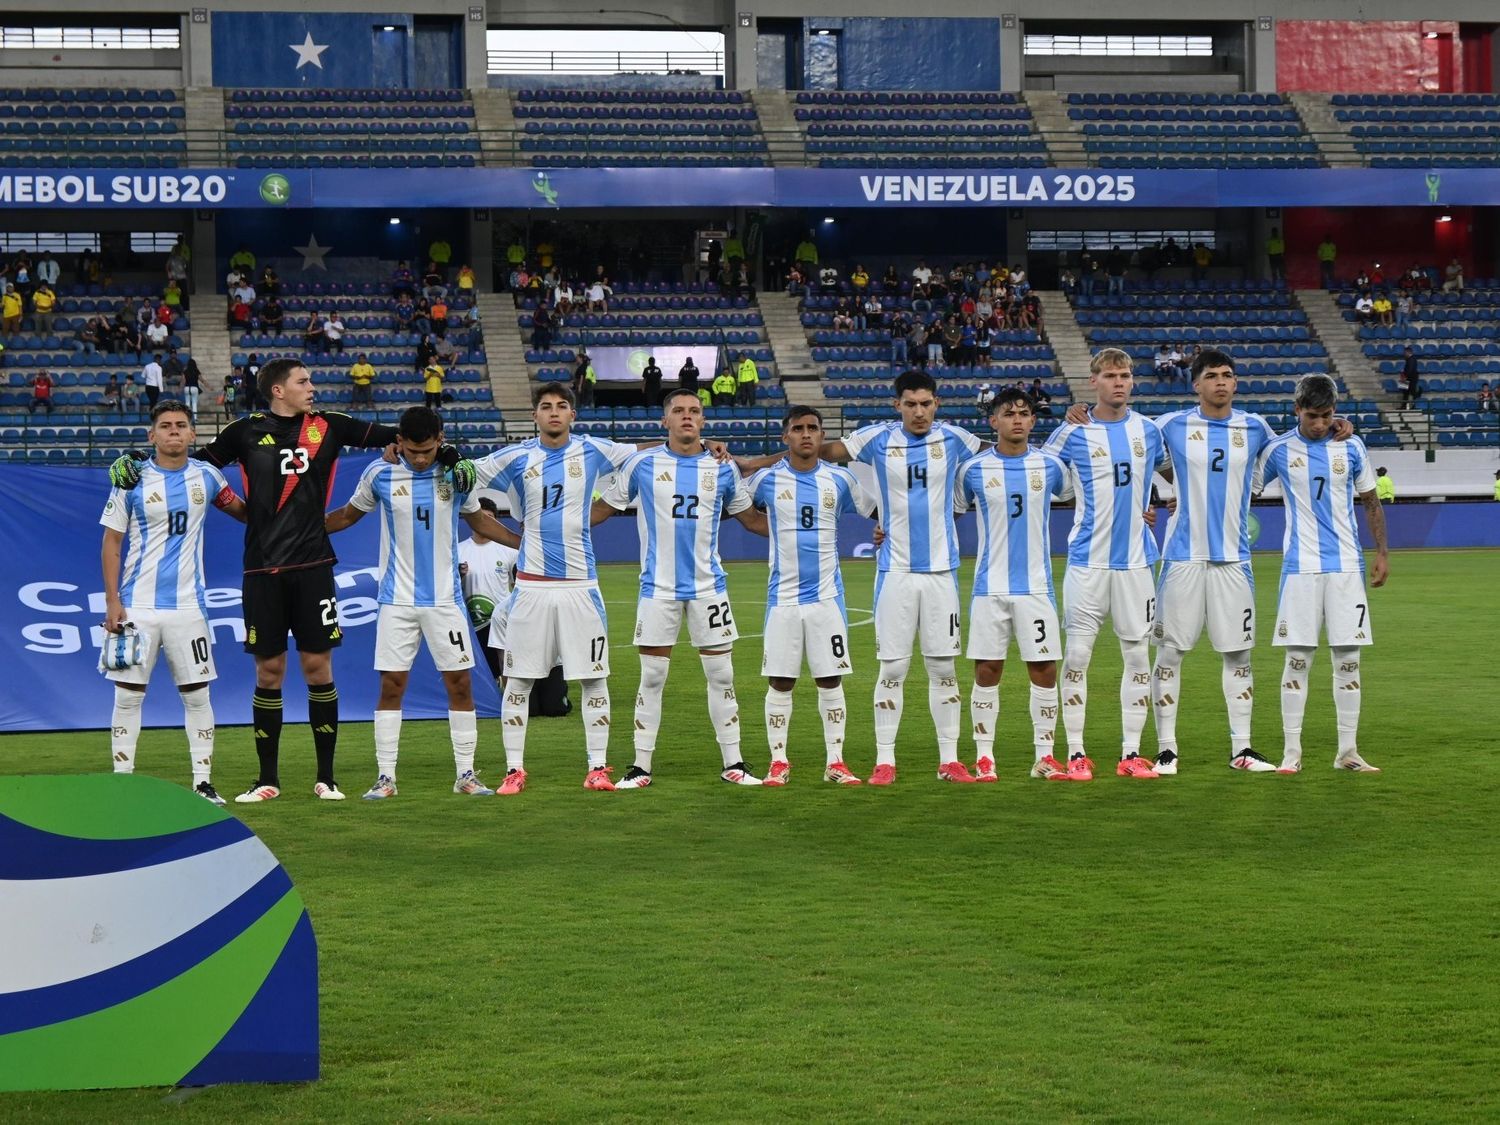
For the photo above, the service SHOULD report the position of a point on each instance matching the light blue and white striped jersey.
(1112, 464)
(915, 477)
(1319, 481)
(551, 492)
(419, 515)
(679, 503)
(162, 520)
(1014, 497)
(1213, 461)
(803, 511)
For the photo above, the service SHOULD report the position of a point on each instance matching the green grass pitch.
(1212, 947)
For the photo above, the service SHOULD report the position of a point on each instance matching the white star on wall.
(313, 254)
(309, 52)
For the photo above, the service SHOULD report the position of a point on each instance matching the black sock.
(265, 711)
(323, 717)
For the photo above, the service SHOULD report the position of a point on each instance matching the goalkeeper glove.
(125, 471)
(460, 469)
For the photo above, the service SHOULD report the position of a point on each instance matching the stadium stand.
(315, 128)
(1418, 130)
(50, 127)
(849, 129)
(590, 128)
(1198, 130)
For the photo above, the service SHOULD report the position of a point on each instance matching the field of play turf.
(1216, 946)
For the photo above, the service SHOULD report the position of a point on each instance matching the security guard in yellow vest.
(747, 377)
(724, 388)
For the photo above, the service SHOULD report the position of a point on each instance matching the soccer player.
(1111, 457)
(420, 595)
(487, 570)
(160, 526)
(916, 462)
(288, 455)
(555, 606)
(1013, 486)
(1322, 566)
(682, 493)
(803, 499)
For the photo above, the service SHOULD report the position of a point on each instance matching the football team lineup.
(531, 593)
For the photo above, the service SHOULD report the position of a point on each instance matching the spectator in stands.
(1411, 381)
(440, 254)
(984, 399)
(921, 275)
(916, 343)
(1328, 253)
(725, 386)
(157, 333)
(1020, 285)
(1377, 275)
(897, 330)
(269, 284)
(192, 383)
(466, 282)
(48, 271)
(859, 280)
(968, 343)
(470, 331)
(43, 308)
(272, 315)
(426, 352)
(405, 314)
(432, 385)
(41, 393)
(438, 314)
(562, 298)
(806, 255)
(798, 280)
(242, 261)
(599, 295)
(541, 328)
(92, 335)
(333, 331)
(1384, 310)
(1202, 258)
(952, 333)
(890, 284)
(111, 395)
(921, 297)
(152, 379)
(1405, 306)
(934, 343)
(315, 334)
(171, 374)
(845, 317)
(734, 250)
(1031, 312)
(1275, 254)
(1114, 269)
(1364, 307)
(125, 336)
(1171, 253)
(12, 305)
(687, 376)
(1041, 401)
(1385, 487)
(873, 312)
(434, 286)
(1486, 402)
(173, 297)
(1416, 279)
(402, 280)
(651, 376)
(1362, 280)
(21, 276)
(421, 321)
(747, 377)
(585, 380)
(984, 340)
(828, 279)
(1165, 363)
(1453, 277)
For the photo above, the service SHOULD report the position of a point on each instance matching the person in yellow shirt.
(747, 376)
(11, 307)
(43, 309)
(724, 388)
(1497, 485)
(1385, 487)
(243, 260)
(432, 385)
(1276, 254)
(441, 253)
(466, 281)
(362, 375)
(860, 279)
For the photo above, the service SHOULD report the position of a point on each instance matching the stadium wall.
(333, 50)
(1369, 56)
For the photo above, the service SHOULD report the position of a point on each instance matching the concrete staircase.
(785, 137)
(801, 377)
(209, 343)
(1335, 144)
(1349, 363)
(1068, 342)
(1413, 427)
(495, 120)
(1063, 135)
(505, 346)
(203, 118)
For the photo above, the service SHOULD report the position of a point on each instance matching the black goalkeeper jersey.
(288, 466)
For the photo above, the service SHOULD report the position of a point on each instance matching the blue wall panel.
(919, 54)
(437, 55)
(272, 49)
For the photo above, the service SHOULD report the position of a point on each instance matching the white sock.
(463, 731)
(984, 714)
(1166, 691)
(198, 721)
(1043, 720)
(596, 720)
(1075, 689)
(723, 704)
(648, 708)
(513, 719)
(1239, 698)
(1294, 679)
(125, 728)
(945, 704)
(1135, 695)
(778, 722)
(835, 717)
(387, 742)
(889, 699)
(1346, 697)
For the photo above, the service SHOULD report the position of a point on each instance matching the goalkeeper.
(287, 456)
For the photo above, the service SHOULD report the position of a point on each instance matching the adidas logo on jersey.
(1196, 435)
(666, 476)
(784, 494)
(1099, 452)
(267, 440)
(400, 490)
(154, 498)
(1297, 463)
(532, 473)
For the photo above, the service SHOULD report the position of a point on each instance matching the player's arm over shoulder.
(350, 431)
(227, 447)
(225, 498)
(1061, 481)
(858, 500)
(360, 504)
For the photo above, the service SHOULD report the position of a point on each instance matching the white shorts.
(819, 630)
(1030, 618)
(556, 623)
(1311, 601)
(1126, 597)
(710, 622)
(400, 630)
(182, 636)
(1188, 594)
(919, 608)
(498, 622)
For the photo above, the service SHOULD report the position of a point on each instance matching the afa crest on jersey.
(828, 500)
(1036, 482)
(1238, 439)
(575, 467)
(1138, 447)
(195, 494)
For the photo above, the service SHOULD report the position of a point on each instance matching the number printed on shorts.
(294, 462)
(200, 649)
(1249, 618)
(1041, 630)
(456, 639)
(330, 610)
(836, 642)
(953, 624)
(1361, 607)
(684, 507)
(718, 616)
(596, 649)
(1150, 609)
